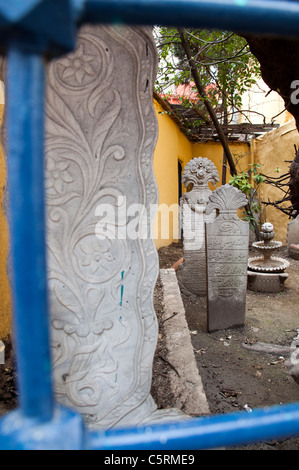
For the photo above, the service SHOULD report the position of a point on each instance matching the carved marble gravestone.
(293, 237)
(227, 257)
(101, 133)
(199, 172)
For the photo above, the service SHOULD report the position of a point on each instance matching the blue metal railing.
(25, 118)
(255, 16)
(27, 35)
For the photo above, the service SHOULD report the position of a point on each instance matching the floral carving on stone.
(101, 133)
(78, 67)
(226, 198)
(57, 175)
(200, 171)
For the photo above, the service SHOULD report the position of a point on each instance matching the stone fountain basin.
(266, 272)
(267, 248)
(273, 265)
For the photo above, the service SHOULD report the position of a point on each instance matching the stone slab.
(101, 132)
(188, 385)
(293, 233)
(268, 283)
(227, 257)
(198, 172)
(294, 251)
(2, 352)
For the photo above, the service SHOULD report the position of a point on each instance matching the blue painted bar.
(49, 24)
(256, 16)
(25, 134)
(65, 431)
(204, 433)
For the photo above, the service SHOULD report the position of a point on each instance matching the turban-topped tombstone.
(198, 173)
(227, 257)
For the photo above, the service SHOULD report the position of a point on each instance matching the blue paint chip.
(121, 290)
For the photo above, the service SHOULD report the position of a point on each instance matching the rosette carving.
(200, 171)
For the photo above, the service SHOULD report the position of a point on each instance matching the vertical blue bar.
(25, 164)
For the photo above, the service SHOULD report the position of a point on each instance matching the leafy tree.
(248, 181)
(223, 59)
(224, 64)
(217, 66)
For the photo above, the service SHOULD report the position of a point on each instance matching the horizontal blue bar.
(204, 433)
(272, 17)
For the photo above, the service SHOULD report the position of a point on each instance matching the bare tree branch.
(202, 93)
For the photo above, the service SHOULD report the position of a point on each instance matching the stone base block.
(294, 251)
(264, 282)
(192, 272)
(184, 381)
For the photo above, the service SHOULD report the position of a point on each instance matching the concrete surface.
(186, 384)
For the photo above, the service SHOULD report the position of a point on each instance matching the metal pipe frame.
(270, 17)
(210, 432)
(25, 169)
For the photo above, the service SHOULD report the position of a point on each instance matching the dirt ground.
(234, 377)
(8, 391)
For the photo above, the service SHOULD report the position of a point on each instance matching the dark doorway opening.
(180, 169)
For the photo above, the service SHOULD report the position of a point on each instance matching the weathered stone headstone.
(293, 234)
(198, 172)
(227, 258)
(2, 352)
(101, 133)
(294, 251)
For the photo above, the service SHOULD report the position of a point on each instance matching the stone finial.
(199, 171)
(267, 227)
(226, 198)
(267, 232)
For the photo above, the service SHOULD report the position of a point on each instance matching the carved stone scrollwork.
(200, 171)
(226, 198)
(101, 134)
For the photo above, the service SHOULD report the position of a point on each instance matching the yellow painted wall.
(240, 151)
(271, 151)
(5, 304)
(172, 146)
